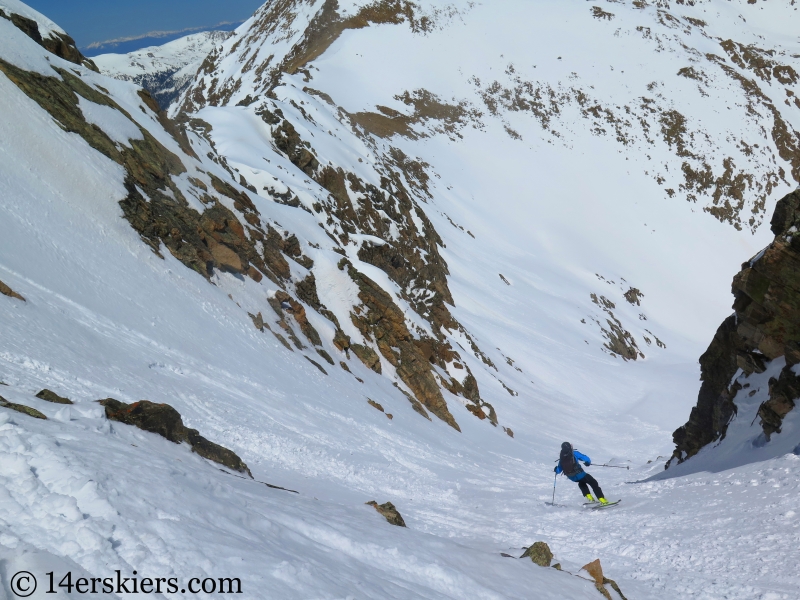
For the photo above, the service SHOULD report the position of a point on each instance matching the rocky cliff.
(765, 326)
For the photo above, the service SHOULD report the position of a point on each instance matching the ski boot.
(590, 498)
(603, 501)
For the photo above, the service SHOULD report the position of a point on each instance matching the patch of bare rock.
(389, 512)
(21, 408)
(7, 291)
(167, 422)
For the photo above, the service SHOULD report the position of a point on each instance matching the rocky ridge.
(188, 200)
(398, 236)
(268, 68)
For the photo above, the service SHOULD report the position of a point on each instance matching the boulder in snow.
(389, 512)
(539, 553)
(166, 422)
(50, 396)
(26, 410)
(7, 291)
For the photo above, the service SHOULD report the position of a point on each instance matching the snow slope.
(105, 316)
(505, 117)
(164, 70)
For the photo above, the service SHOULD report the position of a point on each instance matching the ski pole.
(613, 466)
(554, 488)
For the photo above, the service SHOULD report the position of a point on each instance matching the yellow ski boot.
(590, 498)
(603, 501)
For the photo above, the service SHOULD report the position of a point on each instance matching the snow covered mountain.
(397, 252)
(165, 71)
(662, 85)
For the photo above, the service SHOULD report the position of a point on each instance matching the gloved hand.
(555, 469)
(587, 464)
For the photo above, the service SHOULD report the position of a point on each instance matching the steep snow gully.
(398, 252)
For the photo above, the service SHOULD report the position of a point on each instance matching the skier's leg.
(585, 488)
(595, 486)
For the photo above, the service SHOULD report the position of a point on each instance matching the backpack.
(569, 465)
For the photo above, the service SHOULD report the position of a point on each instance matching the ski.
(592, 503)
(599, 506)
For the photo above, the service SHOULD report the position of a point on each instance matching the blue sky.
(95, 21)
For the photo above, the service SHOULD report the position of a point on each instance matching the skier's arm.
(583, 457)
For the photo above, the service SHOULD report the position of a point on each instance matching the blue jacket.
(578, 456)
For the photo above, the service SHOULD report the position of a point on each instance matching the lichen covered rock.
(539, 553)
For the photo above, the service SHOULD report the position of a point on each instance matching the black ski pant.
(587, 481)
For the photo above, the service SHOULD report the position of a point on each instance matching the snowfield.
(546, 223)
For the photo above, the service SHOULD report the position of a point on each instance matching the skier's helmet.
(567, 460)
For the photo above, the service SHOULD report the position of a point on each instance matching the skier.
(568, 464)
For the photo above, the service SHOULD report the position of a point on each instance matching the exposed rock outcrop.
(765, 326)
(166, 422)
(322, 30)
(7, 291)
(21, 408)
(389, 512)
(595, 569)
(783, 394)
(710, 416)
(49, 396)
(379, 407)
(155, 205)
(407, 252)
(619, 342)
(384, 322)
(539, 553)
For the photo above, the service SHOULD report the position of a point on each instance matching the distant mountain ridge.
(165, 70)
